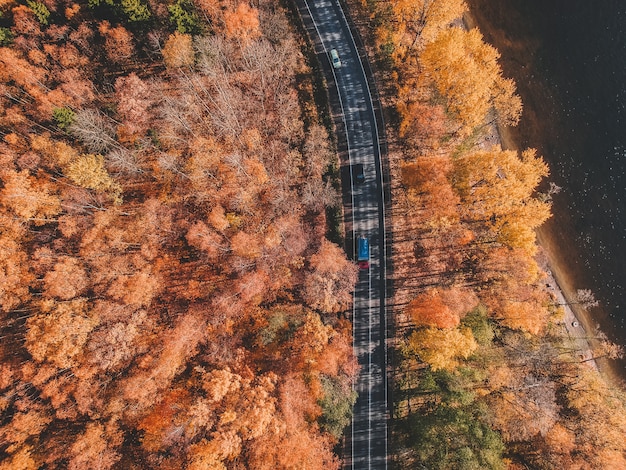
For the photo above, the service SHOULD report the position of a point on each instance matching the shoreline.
(577, 321)
(564, 290)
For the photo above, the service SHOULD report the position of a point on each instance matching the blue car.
(363, 253)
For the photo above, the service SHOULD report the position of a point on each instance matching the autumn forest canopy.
(168, 298)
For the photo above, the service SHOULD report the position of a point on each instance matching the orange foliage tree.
(441, 308)
(328, 285)
(29, 198)
(67, 279)
(429, 191)
(15, 275)
(242, 23)
(58, 334)
(133, 96)
(118, 42)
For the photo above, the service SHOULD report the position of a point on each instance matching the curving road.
(366, 446)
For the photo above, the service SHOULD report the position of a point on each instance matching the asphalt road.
(351, 103)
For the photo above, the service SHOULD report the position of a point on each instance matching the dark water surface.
(569, 60)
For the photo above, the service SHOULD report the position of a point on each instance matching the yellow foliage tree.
(497, 186)
(465, 71)
(178, 51)
(600, 418)
(22, 460)
(88, 171)
(210, 454)
(418, 22)
(507, 104)
(57, 153)
(442, 348)
(311, 339)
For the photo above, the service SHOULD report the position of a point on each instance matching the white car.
(334, 57)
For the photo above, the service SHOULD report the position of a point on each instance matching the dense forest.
(168, 296)
(485, 374)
